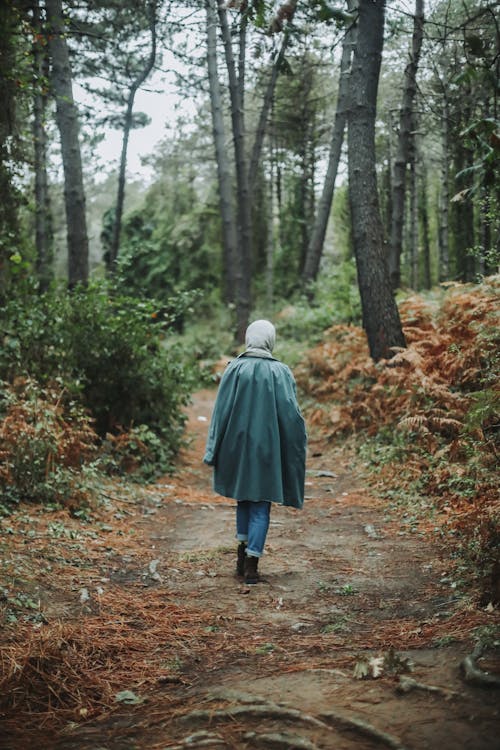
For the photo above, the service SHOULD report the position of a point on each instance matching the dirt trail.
(345, 584)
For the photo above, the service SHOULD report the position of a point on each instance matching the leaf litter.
(111, 630)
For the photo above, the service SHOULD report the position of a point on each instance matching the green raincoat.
(257, 437)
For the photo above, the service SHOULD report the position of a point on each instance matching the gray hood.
(260, 339)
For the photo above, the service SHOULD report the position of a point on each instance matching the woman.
(257, 442)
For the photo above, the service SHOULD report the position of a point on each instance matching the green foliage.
(205, 340)
(335, 300)
(164, 251)
(139, 451)
(489, 207)
(328, 13)
(109, 353)
(45, 436)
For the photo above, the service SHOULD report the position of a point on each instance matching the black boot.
(251, 573)
(240, 561)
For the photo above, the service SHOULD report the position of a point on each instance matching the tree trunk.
(315, 247)
(265, 110)
(244, 238)
(69, 129)
(424, 220)
(444, 196)
(128, 121)
(12, 30)
(224, 174)
(380, 313)
(413, 216)
(270, 232)
(43, 219)
(403, 147)
(462, 218)
(242, 55)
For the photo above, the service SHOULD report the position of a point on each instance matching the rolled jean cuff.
(253, 553)
(242, 537)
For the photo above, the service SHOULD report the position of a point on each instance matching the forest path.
(345, 583)
(348, 586)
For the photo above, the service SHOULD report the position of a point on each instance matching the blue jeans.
(252, 523)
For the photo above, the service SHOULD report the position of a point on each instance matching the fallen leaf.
(128, 697)
(376, 664)
(361, 670)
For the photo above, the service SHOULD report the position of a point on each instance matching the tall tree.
(403, 148)
(137, 81)
(43, 219)
(380, 313)
(69, 131)
(11, 75)
(315, 247)
(444, 194)
(413, 214)
(268, 98)
(236, 91)
(224, 173)
(424, 221)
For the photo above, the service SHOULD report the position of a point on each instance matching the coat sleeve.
(291, 424)
(288, 408)
(220, 415)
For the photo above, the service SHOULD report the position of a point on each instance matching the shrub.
(336, 300)
(45, 437)
(108, 352)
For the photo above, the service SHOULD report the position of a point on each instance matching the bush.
(108, 352)
(45, 437)
(335, 300)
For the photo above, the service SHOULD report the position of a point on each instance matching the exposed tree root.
(281, 741)
(353, 724)
(262, 711)
(473, 674)
(407, 684)
(200, 739)
(285, 713)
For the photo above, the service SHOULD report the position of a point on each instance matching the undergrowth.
(87, 379)
(426, 422)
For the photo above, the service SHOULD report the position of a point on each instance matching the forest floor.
(146, 639)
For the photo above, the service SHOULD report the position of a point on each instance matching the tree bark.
(69, 130)
(315, 247)
(424, 221)
(128, 121)
(462, 214)
(270, 232)
(380, 314)
(244, 238)
(43, 219)
(224, 174)
(413, 215)
(265, 110)
(444, 196)
(242, 55)
(403, 147)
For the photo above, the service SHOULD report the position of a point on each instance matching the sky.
(160, 101)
